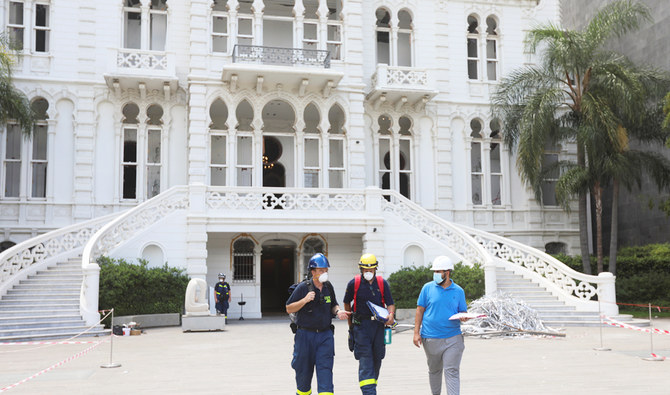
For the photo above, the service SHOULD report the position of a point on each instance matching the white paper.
(458, 316)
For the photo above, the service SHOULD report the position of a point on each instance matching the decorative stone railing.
(22, 259)
(281, 56)
(237, 198)
(142, 60)
(116, 232)
(578, 289)
(437, 228)
(401, 77)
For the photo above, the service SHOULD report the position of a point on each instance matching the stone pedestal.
(199, 323)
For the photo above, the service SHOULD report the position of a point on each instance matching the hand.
(464, 319)
(343, 314)
(417, 340)
(309, 297)
(390, 320)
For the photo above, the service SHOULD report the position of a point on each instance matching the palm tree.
(13, 104)
(579, 93)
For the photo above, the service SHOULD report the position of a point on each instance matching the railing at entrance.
(236, 198)
(281, 56)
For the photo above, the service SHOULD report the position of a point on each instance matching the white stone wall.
(85, 117)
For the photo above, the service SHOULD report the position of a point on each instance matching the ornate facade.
(243, 136)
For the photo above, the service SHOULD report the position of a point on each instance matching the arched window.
(495, 163)
(336, 147)
(334, 29)
(476, 163)
(555, 247)
(220, 26)
(310, 247)
(487, 159)
(405, 39)
(158, 21)
(312, 149)
(6, 245)
(383, 33)
(491, 48)
(139, 36)
(245, 164)
(142, 175)
(278, 144)
(395, 155)
(473, 47)
(243, 260)
(218, 166)
(550, 164)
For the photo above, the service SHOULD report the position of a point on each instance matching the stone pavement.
(253, 357)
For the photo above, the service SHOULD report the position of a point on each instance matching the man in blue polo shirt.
(441, 337)
(315, 304)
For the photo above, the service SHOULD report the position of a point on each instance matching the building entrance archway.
(277, 274)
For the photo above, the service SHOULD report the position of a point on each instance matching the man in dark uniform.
(315, 303)
(369, 347)
(222, 296)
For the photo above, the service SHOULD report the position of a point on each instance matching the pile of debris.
(505, 315)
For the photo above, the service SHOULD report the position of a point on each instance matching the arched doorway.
(277, 274)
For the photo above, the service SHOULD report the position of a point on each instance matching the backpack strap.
(357, 284)
(380, 284)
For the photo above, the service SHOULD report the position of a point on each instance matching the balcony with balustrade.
(400, 86)
(266, 68)
(142, 71)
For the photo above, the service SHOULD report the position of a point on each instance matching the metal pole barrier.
(601, 348)
(651, 356)
(111, 347)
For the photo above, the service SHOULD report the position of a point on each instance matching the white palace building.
(243, 136)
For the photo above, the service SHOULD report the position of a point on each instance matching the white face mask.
(368, 276)
(323, 277)
(437, 277)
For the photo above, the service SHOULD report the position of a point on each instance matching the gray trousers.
(444, 355)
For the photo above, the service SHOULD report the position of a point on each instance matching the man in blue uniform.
(222, 295)
(315, 303)
(441, 337)
(369, 347)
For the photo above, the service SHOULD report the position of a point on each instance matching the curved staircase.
(46, 306)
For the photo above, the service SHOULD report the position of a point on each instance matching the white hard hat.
(442, 263)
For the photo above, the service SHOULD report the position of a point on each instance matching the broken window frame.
(473, 59)
(153, 187)
(492, 60)
(409, 32)
(156, 15)
(334, 46)
(39, 159)
(477, 145)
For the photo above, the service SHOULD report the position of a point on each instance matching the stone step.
(39, 318)
(41, 324)
(13, 311)
(42, 291)
(63, 271)
(51, 335)
(56, 277)
(50, 283)
(27, 300)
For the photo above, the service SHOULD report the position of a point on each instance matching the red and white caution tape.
(75, 356)
(611, 321)
(49, 343)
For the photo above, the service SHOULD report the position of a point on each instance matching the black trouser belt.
(317, 330)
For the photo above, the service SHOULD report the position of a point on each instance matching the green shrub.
(407, 282)
(136, 289)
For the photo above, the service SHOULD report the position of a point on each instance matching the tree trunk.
(614, 229)
(598, 197)
(583, 224)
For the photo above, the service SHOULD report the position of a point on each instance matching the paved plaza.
(252, 357)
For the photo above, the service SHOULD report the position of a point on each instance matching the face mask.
(323, 277)
(368, 276)
(437, 277)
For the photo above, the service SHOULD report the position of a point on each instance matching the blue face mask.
(437, 277)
